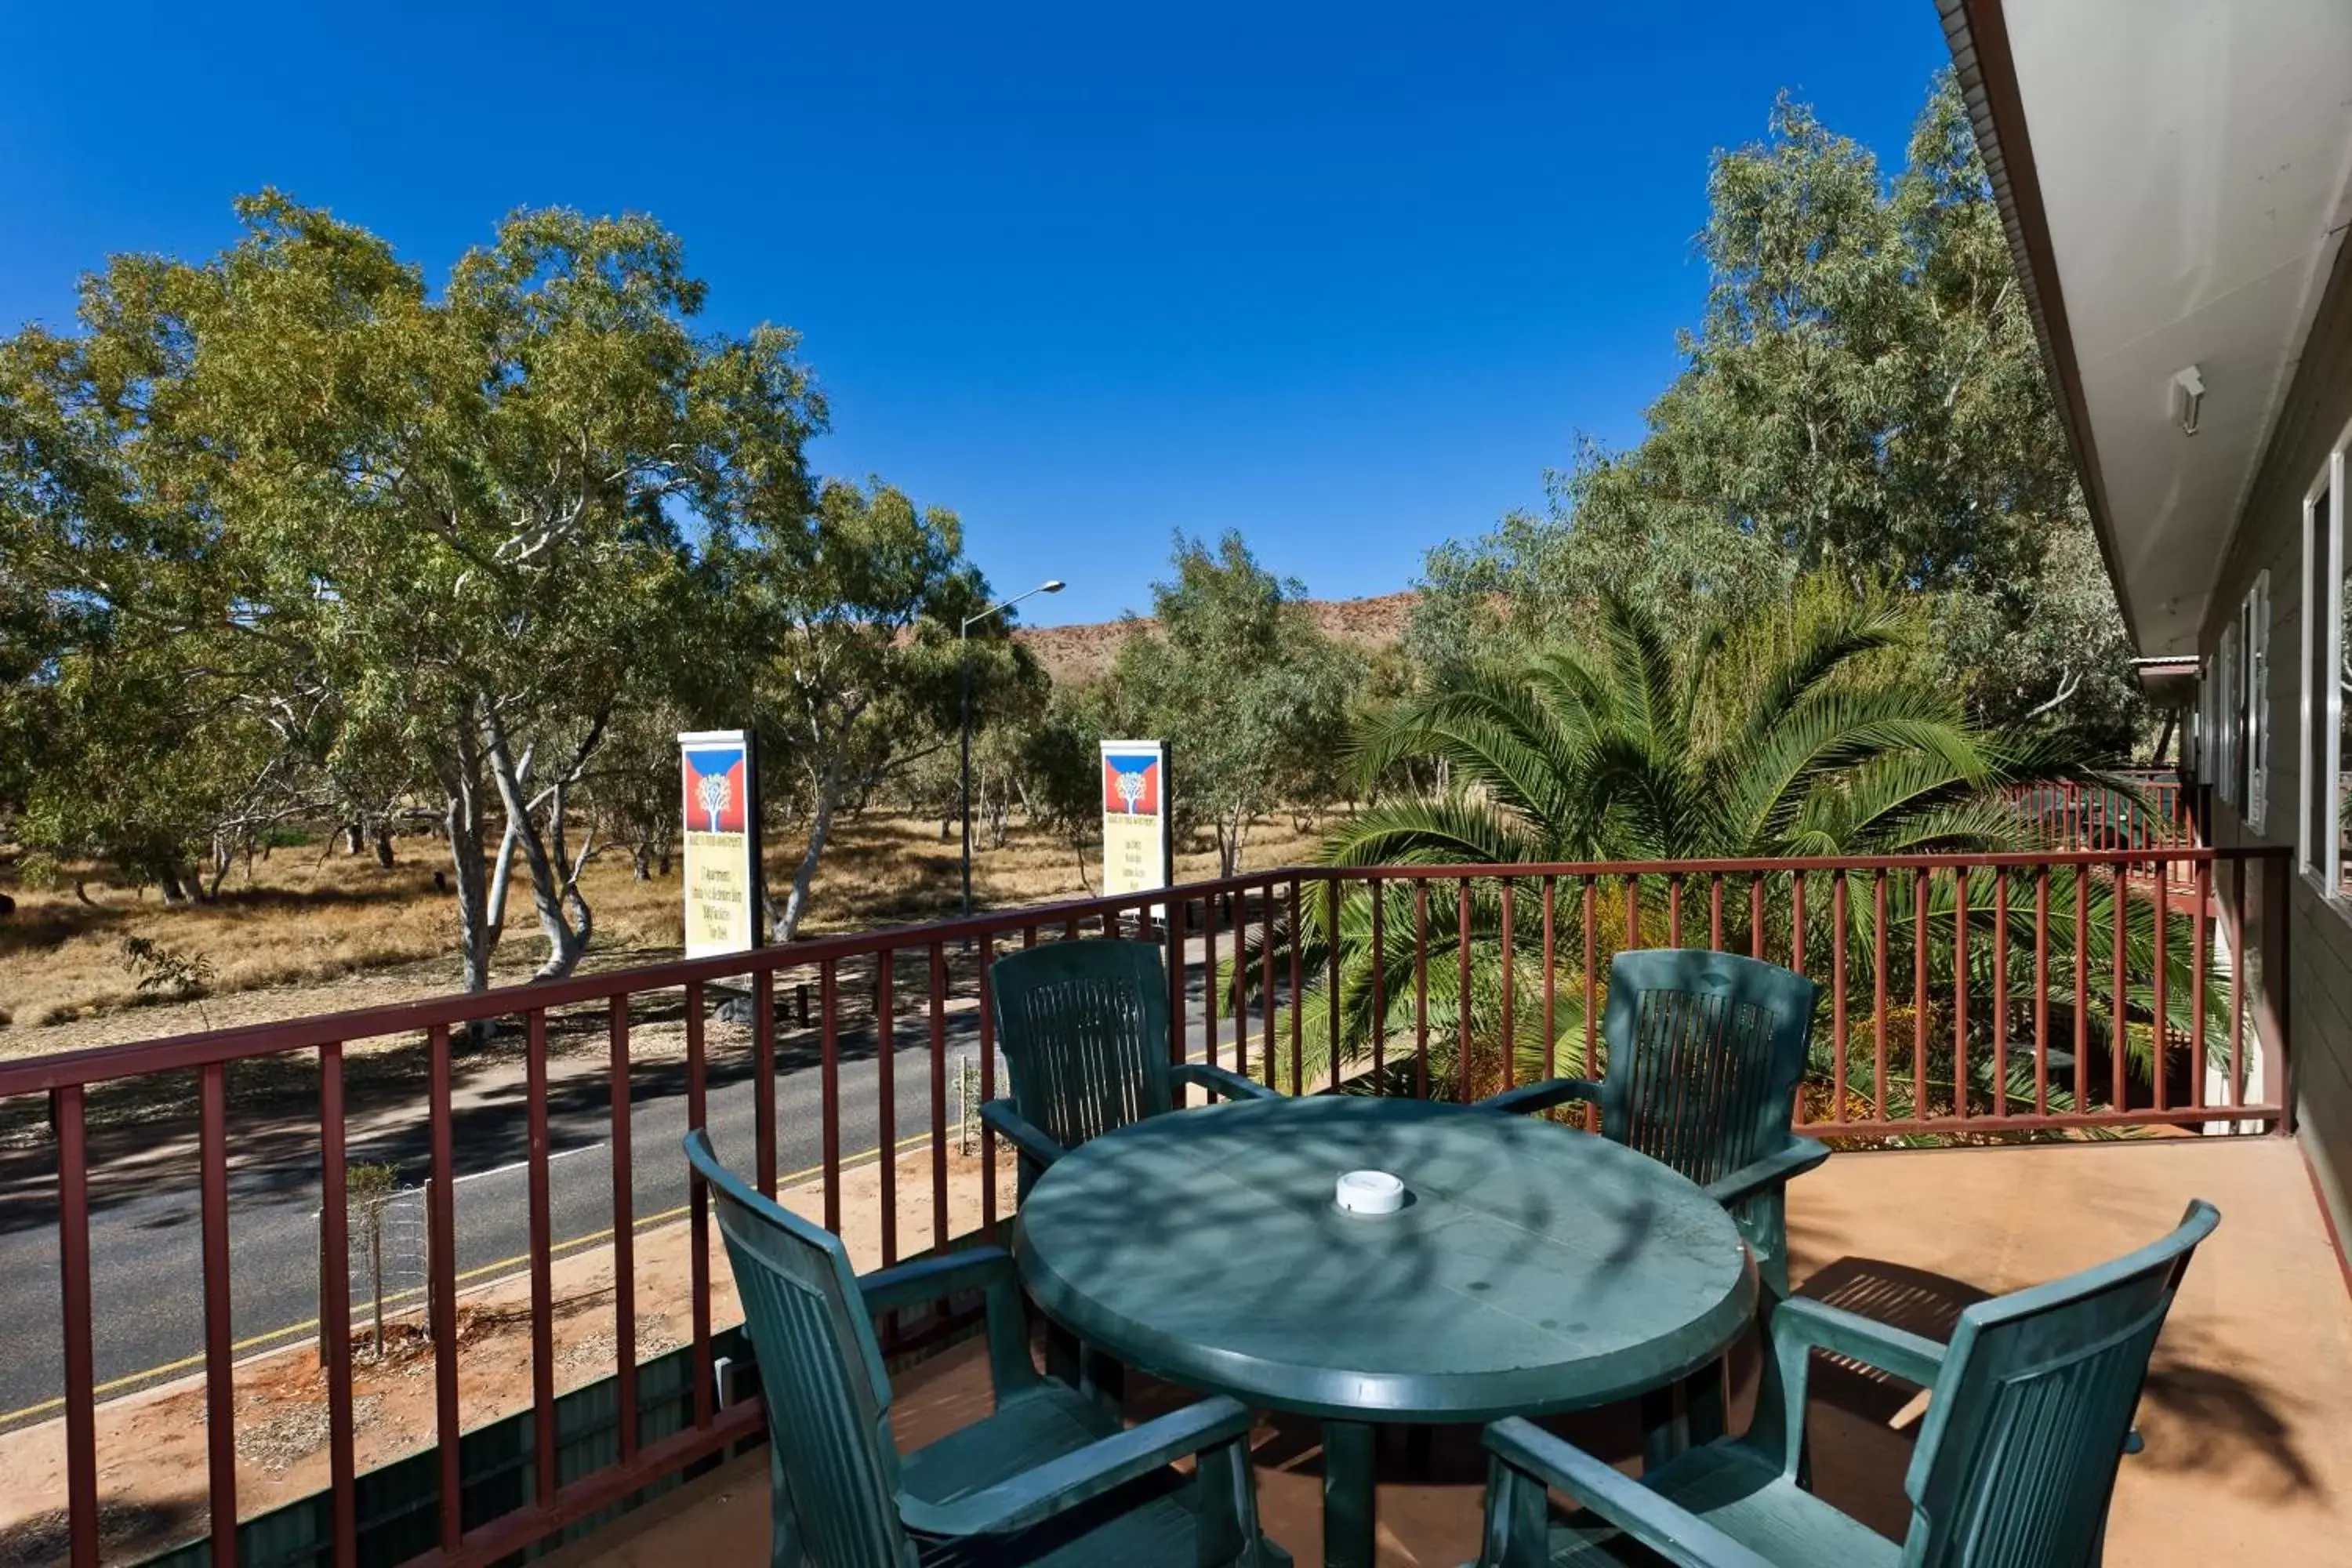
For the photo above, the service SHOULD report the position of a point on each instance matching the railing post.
(2275, 1000)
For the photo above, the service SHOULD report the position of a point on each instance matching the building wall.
(2270, 537)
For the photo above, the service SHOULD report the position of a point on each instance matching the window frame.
(2225, 716)
(2323, 712)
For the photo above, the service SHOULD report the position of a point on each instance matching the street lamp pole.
(963, 659)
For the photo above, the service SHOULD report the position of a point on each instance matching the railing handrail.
(186, 1052)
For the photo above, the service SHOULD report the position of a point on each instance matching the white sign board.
(720, 775)
(1135, 827)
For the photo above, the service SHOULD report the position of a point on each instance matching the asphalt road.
(145, 1233)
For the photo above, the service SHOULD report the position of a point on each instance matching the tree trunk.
(351, 838)
(564, 917)
(383, 846)
(477, 933)
(828, 793)
(641, 861)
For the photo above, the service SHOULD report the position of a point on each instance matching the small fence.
(1962, 997)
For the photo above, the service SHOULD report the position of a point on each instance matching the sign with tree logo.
(721, 816)
(1138, 840)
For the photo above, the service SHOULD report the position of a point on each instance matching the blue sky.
(1347, 279)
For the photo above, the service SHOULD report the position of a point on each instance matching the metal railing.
(1963, 996)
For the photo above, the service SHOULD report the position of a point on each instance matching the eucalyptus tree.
(450, 522)
(1234, 675)
(1863, 392)
(849, 611)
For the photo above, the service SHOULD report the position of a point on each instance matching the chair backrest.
(2016, 1461)
(828, 1397)
(1084, 1026)
(1706, 1051)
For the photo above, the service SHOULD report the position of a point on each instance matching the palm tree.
(1818, 730)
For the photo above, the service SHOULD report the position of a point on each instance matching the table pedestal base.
(1348, 1482)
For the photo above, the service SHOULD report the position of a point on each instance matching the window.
(2254, 619)
(2327, 659)
(2227, 710)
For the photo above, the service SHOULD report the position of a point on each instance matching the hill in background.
(1081, 653)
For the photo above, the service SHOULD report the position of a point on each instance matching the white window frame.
(2255, 615)
(2225, 725)
(2323, 712)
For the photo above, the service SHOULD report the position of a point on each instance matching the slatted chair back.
(1705, 1052)
(2016, 1459)
(821, 1372)
(1084, 1026)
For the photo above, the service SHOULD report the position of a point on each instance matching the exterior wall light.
(2187, 399)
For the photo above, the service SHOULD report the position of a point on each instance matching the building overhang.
(2176, 178)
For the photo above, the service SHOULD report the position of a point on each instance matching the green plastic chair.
(1705, 1054)
(2029, 1415)
(1084, 1026)
(1049, 1478)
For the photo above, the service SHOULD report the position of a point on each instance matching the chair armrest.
(1801, 1327)
(1793, 1159)
(1217, 1080)
(1025, 1135)
(1671, 1532)
(987, 1270)
(929, 1279)
(1102, 1465)
(1533, 1096)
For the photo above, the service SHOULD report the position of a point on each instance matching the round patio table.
(1534, 1269)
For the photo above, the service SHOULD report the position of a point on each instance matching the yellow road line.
(561, 1250)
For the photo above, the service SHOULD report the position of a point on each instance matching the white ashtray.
(1370, 1192)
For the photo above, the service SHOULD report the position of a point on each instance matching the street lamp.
(963, 658)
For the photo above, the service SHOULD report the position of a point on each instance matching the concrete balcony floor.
(2247, 1407)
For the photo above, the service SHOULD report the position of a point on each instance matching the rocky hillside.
(1082, 653)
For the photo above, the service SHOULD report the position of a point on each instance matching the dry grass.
(324, 932)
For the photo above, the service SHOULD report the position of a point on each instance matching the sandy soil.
(151, 1446)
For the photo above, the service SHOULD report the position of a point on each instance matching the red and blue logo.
(715, 792)
(1131, 782)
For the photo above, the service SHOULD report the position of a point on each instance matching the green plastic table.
(1534, 1269)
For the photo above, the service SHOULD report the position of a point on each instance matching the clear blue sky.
(1345, 278)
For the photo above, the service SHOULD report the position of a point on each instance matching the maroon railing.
(1968, 997)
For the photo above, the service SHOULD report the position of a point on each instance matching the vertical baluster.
(698, 1114)
(1421, 987)
(442, 1281)
(763, 1074)
(1551, 977)
(1674, 908)
(1180, 915)
(625, 1209)
(2119, 880)
(335, 1306)
(1267, 1020)
(66, 1112)
(1920, 1093)
(1756, 914)
(1209, 981)
(2082, 988)
(1240, 998)
(828, 1003)
(2160, 1040)
(988, 1082)
(1461, 996)
(1633, 913)
(1715, 911)
(1586, 1065)
(2042, 991)
(542, 1270)
(1960, 992)
(2202, 893)
(1797, 921)
(885, 1053)
(1878, 981)
(1510, 962)
(1837, 996)
(220, 1366)
(939, 1000)
(2001, 992)
(1379, 987)
(2240, 969)
(1331, 971)
(1297, 993)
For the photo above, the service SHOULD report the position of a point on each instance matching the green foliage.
(1864, 394)
(1245, 688)
(1821, 728)
(167, 972)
